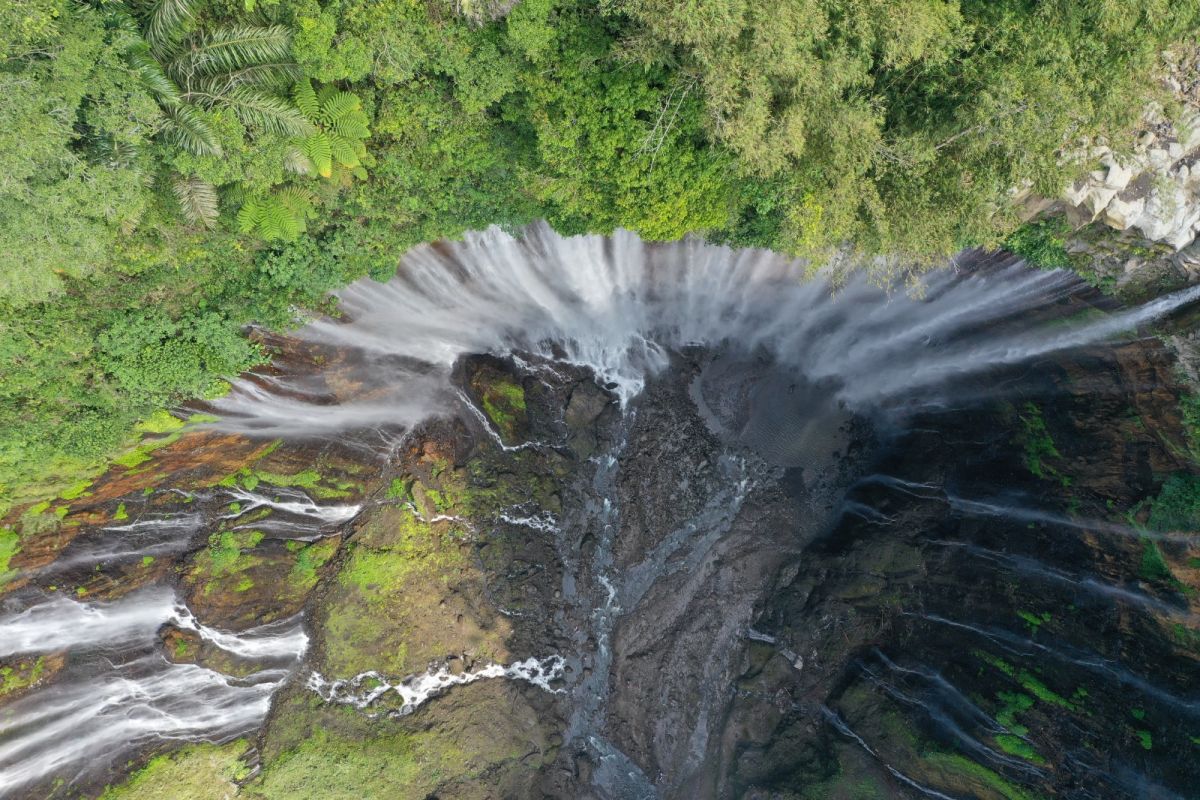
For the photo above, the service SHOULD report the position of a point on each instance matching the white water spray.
(619, 306)
(365, 689)
(118, 693)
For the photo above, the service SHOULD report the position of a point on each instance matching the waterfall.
(619, 306)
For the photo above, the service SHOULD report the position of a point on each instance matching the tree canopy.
(176, 169)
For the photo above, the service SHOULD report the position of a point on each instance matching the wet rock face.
(732, 588)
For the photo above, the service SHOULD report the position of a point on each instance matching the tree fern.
(281, 215)
(320, 151)
(306, 100)
(167, 23)
(343, 123)
(197, 200)
(295, 160)
(344, 150)
(338, 106)
(187, 129)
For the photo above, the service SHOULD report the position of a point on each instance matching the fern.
(306, 100)
(187, 129)
(297, 161)
(298, 201)
(197, 200)
(343, 123)
(282, 215)
(344, 150)
(319, 150)
(338, 106)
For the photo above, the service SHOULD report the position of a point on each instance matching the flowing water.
(784, 369)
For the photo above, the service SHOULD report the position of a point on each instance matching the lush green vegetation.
(175, 170)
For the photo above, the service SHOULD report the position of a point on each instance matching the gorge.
(593, 517)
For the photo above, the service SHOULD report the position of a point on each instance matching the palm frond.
(197, 200)
(265, 112)
(116, 153)
(233, 48)
(151, 74)
(167, 24)
(187, 128)
(268, 77)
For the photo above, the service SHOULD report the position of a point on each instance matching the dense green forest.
(175, 170)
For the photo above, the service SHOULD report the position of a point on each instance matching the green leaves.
(167, 23)
(281, 215)
(319, 150)
(344, 126)
(306, 100)
(187, 129)
(225, 50)
(197, 200)
(265, 111)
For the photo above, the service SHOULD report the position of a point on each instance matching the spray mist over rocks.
(620, 306)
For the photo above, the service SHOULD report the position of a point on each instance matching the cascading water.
(619, 306)
(713, 427)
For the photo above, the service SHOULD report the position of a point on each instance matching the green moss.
(182, 646)
(1036, 442)
(1016, 746)
(147, 560)
(75, 490)
(1154, 567)
(22, 676)
(400, 489)
(305, 479)
(309, 560)
(244, 585)
(134, 458)
(1013, 703)
(1039, 690)
(503, 402)
(1147, 741)
(197, 772)
(225, 553)
(159, 422)
(1034, 621)
(977, 773)
(120, 514)
(10, 545)
(996, 662)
